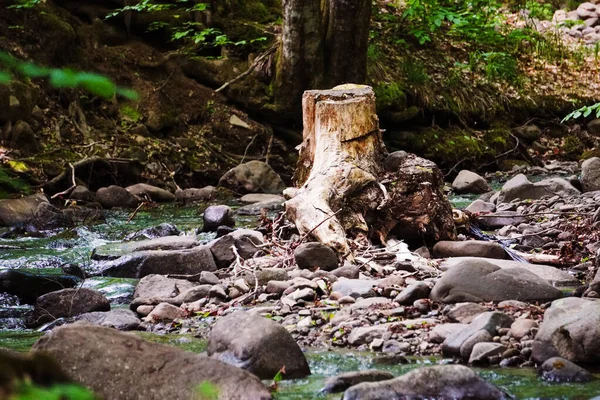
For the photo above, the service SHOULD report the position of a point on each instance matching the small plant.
(584, 111)
(22, 4)
(207, 391)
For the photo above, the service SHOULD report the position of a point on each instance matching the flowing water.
(46, 255)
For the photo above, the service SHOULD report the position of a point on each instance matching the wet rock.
(483, 328)
(113, 251)
(355, 287)
(252, 177)
(28, 286)
(343, 381)
(465, 312)
(154, 232)
(121, 319)
(415, 291)
(523, 189)
(557, 369)
(480, 281)
(431, 382)
(483, 350)
(257, 344)
(552, 275)
(215, 216)
(193, 194)
(366, 334)
(315, 255)
(590, 174)
(466, 248)
(99, 349)
(81, 193)
(66, 303)
(571, 329)
(116, 196)
(143, 190)
(480, 206)
(17, 211)
(165, 312)
(141, 263)
(470, 182)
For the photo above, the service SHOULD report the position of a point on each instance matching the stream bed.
(47, 254)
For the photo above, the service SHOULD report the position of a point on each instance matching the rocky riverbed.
(515, 293)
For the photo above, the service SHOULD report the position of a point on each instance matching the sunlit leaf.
(18, 166)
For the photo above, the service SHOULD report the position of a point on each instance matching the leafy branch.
(584, 112)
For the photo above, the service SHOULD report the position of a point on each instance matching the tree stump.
(350, 185)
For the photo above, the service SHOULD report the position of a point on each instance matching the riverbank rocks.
(195, 194)
(154, 232)
(315, 255)
(343, 381)
(117, 365)
(521, 188)
(252, 177)
(28, 286)
(470, 182)
(216, 216)
(256, 344)
(571, 330)
(116, 196)
(440, 382)
(121, 319)
(557, 369)
(17, 211)
(500, 219)
(476, 248)
(354, 287)
(66, 303)
(245, 241)
(143, 190)
(482, 329)
(590, 174)
(481, 281)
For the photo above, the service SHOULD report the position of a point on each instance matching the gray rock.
(522, 327)
(466, 248)
(143, 190)
(481, 329)
(394, 160)
(315, 255)
(527, 190)
(81, 193)
(500, 219)
(155, 289)
(263, 206)
(590, 174)
(529, 132)
(557, 369)
(116, 196)
(257, 344)
(465, 312)
(66, 303)
(480, 281)
(252, 198)
(143, 375)
(194, 194)
(343, 381)
(154, 232)
(480, 206)
(415, 291)
(121, 319)
(552, 275)
(439, 382)
(355, 287)
(28, 286)
(253, 177)
(271, 274)
(17, 211)
(441, 332)
(247, 242)
(165, 312)
(115, 250)
(470, 182)
(483, 350)
(571, 329)
(215, 216)
(347, 271)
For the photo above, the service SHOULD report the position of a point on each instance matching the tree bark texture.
(324, 44)
(350, 185)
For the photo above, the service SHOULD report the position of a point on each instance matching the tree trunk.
(350, 185)
(324, 44)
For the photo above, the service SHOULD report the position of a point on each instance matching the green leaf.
(32, 70)
(128, 93)
(97, 84)
(62, 78)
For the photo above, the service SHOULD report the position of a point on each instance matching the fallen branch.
(255, 64)
(73, 184)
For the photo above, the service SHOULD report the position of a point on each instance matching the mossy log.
(350, 184)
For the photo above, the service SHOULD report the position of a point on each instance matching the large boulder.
(112, 251)
(470, 182)
(116, 196)
(256, 344)
(215, 216)
(141, 263)
(521, 188)
(143, 190)
(557, 369)
(17, 211)
(590, 174)
(66, 303)
(253, 177)
(440, 382)
(117, 365)
(477, 248)
(28, 286)
(477, 280)
(571, 330)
